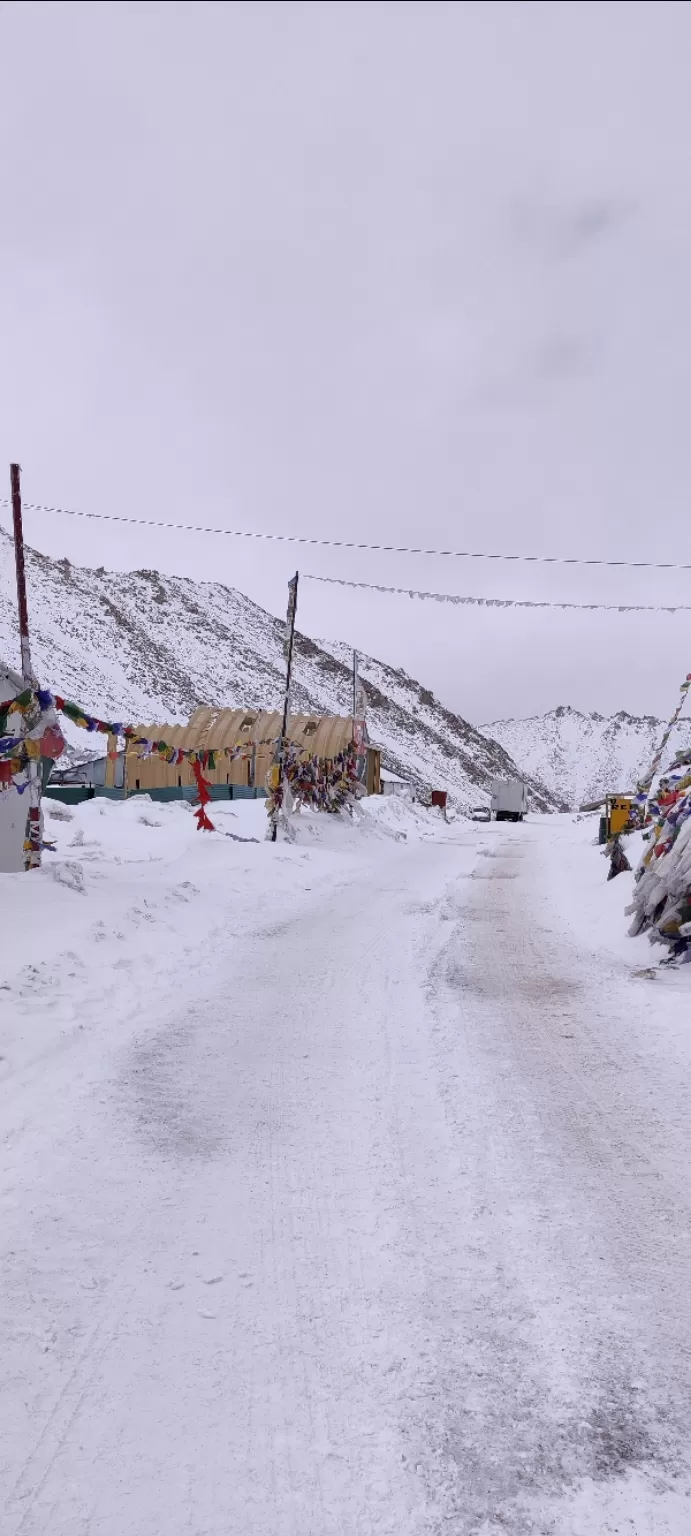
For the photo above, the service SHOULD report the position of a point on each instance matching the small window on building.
(247, 723)
(310, 728)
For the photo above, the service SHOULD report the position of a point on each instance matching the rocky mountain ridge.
(581, 757)
(150, 647)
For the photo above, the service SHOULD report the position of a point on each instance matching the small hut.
(252, 735)
(393, 784)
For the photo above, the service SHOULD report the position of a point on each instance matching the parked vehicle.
(509, 800)
(481, 813)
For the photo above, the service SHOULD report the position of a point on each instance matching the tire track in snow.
(576, 1238)
(381, 1269)
(56, 1428)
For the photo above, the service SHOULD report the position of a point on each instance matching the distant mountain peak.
(582, 757)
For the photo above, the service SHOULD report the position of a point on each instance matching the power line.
(499, 602)
(385, 549)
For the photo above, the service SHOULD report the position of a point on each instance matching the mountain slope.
(581, 757)
(150, 647)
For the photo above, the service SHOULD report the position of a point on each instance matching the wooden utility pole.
(32, 859)
(15, 483)
(289, 644)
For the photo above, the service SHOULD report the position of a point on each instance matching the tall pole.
(290, 641)
(354, 686)
(15, 482)
(32, 858)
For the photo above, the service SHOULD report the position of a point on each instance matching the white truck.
(509, 800)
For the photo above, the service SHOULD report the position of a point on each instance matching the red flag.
(203, 798)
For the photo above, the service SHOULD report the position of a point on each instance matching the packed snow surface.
(344, 1183)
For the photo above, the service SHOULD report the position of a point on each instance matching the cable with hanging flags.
(354, 544)
(498, 602)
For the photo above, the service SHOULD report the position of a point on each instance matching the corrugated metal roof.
(210, 727)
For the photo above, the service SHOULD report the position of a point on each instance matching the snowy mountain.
(150, 648)
(581, 757)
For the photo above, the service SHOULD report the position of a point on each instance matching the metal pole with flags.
(359, 727)
(644, 788)
(280, 756)
(359, 696)
(32, 846)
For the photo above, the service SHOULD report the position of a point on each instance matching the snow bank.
(398, 817)
(367, 820)
(124, 914)
(128, 908)
(595, 907)
(591, 905)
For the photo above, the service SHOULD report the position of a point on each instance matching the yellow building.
(255, 732)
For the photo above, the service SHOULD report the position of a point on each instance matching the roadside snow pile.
(134, 909)
(375, 817)
(662, 895)
(396, 817)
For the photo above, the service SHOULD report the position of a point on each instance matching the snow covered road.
(387, 1230)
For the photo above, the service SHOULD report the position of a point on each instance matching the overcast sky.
(397, 271)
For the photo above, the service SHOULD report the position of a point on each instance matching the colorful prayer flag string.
(644, 785)
(323, 783)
